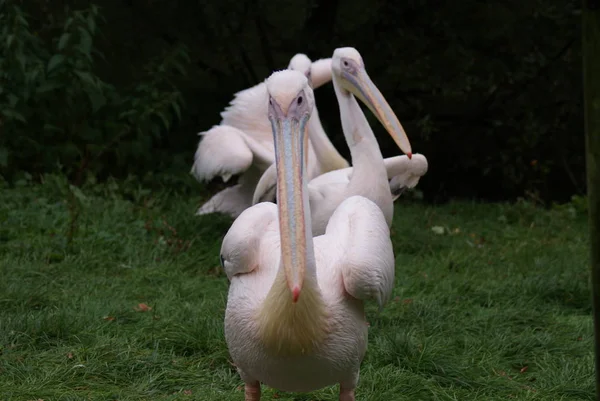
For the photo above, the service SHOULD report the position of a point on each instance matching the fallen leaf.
(109, 318)
(70, 355)
(407, 301)
(439, 230)
(524, 369)
(187, 392)
(142, 308)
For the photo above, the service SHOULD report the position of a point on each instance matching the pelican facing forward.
(295, 318)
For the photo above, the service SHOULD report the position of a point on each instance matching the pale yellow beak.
(363, 88)
(291, 141)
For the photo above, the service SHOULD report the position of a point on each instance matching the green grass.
(495, 308)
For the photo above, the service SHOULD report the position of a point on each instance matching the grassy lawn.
(491, 302)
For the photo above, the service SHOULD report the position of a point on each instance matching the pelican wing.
(404, 173)
(248, 112)
(240, 250)
(227, 151)
(222, 151)
(365, 251)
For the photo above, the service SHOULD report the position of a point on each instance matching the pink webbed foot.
(252, 391)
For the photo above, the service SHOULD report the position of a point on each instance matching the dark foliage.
(490, 92)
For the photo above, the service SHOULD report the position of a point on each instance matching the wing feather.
(222, 151)
(367, 262)
(240, 249)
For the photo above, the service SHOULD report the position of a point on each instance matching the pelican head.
(301, 63)
(349, 72)
(291, 101)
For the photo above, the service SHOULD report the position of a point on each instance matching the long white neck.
(367, 161)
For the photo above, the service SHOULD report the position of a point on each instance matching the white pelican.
(368, 176)
(403, 173)
(243, 144)
(295, 318)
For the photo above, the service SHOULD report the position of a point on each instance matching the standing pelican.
(368, 176)
(295, 318)
(243, 144)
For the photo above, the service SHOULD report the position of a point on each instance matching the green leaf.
(54, 62)
(77, 193)
(164, 119)
(62, 43)
(85, 43)
(34, 74)
(86, 78)
(13, 115)
(177, 110)
(178, 67)
(97, 99)
(48, 86)
(91, 21)
(52, 128)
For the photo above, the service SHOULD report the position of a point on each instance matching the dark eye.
(271, 101)
(300, 100)
(345, 63)
(222, 261)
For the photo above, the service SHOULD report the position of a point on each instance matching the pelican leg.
(346, 393)
(252, 391)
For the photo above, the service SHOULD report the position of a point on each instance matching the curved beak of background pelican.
(363, 88)
(291, 141)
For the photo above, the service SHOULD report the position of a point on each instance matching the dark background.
(489, 92)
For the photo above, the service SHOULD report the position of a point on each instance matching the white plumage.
(295, 318)
(369, 175)
(242, 144)
(403, 173)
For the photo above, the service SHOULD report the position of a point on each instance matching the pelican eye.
(300, 100)
(222, 261)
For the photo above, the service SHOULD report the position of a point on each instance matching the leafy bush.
(490, 92)
(57, 113)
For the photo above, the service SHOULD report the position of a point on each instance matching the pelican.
(402, 172)
(295, 317)
(243, 144)
(368, 176)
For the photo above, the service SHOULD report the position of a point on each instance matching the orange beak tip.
(409, 154)
(295, 294)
